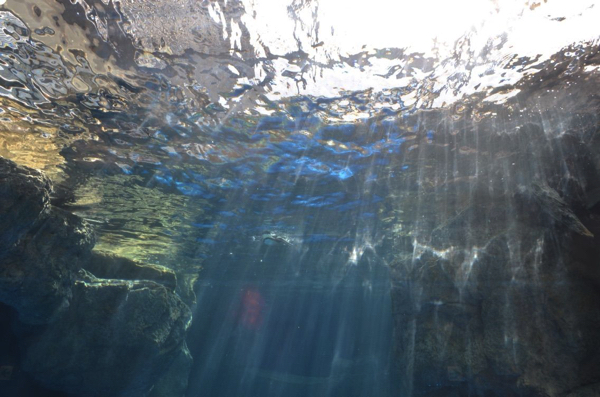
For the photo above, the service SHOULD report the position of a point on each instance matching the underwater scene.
(299, 198)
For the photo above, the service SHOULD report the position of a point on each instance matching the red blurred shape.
(251, 314)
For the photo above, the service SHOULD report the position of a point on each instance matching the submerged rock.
(186, 283)
(556, 209)
(586, 391)
(41, 248)
(36, 276)
(24, 200)
(106, 265)
(115, 340)
(174, 381)
(496, 293)
(515, 317)
(80, 334)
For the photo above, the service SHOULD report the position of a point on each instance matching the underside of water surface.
(264, 198)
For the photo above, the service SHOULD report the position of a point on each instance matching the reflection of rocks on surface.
(497, 294)
(79, 333)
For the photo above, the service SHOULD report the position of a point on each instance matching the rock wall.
(77, 333)
(495, 271)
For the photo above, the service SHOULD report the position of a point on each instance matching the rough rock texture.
(24, 200)
(172, 383)
(77, 333)
(495, 275)
(41, 247)
(186, 285)
(115, 340)
(106, 265)
(586, 391)
(498, 328)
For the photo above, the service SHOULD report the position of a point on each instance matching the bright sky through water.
(330, 29)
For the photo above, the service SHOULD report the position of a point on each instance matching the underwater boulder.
(503, 307)
(81, 334)
(37, 276)
(586, 391)
(541, 328)
(41, 247)
(174, 382)
(439, 332)
(116, 339)
(110, 266)
(555, 211)
(24, 200)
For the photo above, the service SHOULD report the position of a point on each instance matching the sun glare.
(326, 33)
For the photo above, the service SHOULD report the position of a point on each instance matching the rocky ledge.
(87, 323)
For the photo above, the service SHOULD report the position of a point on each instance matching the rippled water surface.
(172, 125)
(186, 132)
